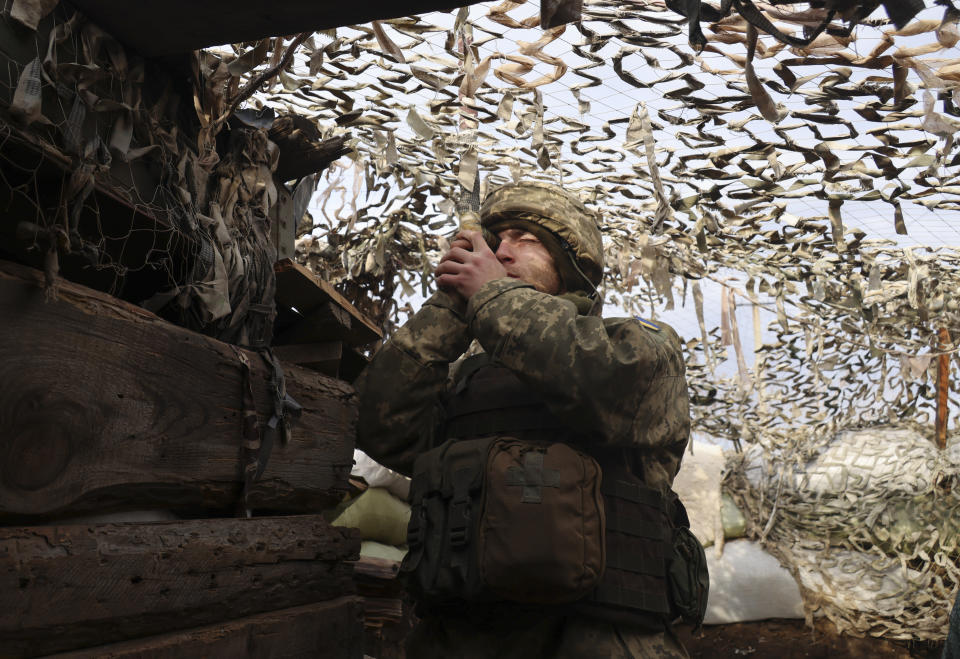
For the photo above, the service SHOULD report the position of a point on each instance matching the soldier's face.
(527, 259)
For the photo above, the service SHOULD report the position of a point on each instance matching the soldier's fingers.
(458, 254)
(461, 243)
(476, 239)
(449, 267)
(448, 283)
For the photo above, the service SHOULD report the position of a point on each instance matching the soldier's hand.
(468, 265)
(462, 242)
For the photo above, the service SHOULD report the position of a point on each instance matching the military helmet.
(561, 221)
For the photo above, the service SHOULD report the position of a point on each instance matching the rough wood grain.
(299, 288)
(327, 322)
(323, 357)
(106, 406)
(327, 630)
(66, 587)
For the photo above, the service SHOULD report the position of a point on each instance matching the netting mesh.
(868, 522)
(789, 206)
(104, 182)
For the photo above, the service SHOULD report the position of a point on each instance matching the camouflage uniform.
(616, 380)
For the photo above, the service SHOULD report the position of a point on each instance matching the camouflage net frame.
(755, 172)
(752, 171)
(868, 523)
(189, 234)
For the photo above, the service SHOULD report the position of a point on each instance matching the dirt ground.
(792, 639)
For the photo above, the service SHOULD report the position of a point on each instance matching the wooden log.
(67, 587)
(378, 568)
(327, 630)
(106, 406)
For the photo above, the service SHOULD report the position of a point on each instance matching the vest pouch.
(501, 519)
(688, 577)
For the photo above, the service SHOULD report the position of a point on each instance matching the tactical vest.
(490, 400)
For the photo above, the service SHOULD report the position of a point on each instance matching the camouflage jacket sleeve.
(401, 389)
(614, 380)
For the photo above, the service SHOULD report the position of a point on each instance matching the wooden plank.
(352, 364)
(177, 26)
(299, 288)
(68, 587)
(309, 353)
(332, 358)
(106, 406)
(323, 357)
(328, 322)
(326, 630)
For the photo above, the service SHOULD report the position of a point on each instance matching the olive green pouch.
(501, 519)
(688, 578)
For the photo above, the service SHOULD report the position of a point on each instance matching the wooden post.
(943, 389)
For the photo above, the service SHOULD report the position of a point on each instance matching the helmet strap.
(568, 250)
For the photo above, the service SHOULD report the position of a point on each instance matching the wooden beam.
(106, 406)
(68, 587)
(299, 288)
(326, 630)
(323, 357)
(327, 322)
(177, 26)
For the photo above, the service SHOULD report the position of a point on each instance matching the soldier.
(549, 370)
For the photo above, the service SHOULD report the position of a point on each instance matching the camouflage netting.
(112, 172)
(793, 159)
(869, 524)
(802, 165)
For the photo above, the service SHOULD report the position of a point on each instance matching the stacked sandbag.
(746, 583)
(376, 475)
(382, 519)
(869, 522)
(378, 514)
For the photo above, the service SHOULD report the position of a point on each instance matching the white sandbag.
(855, 581)
(376, 475)
(734, 521)
(698, 486)
(888, 460)
(379, 515)
(747, 583)
(374, 549)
